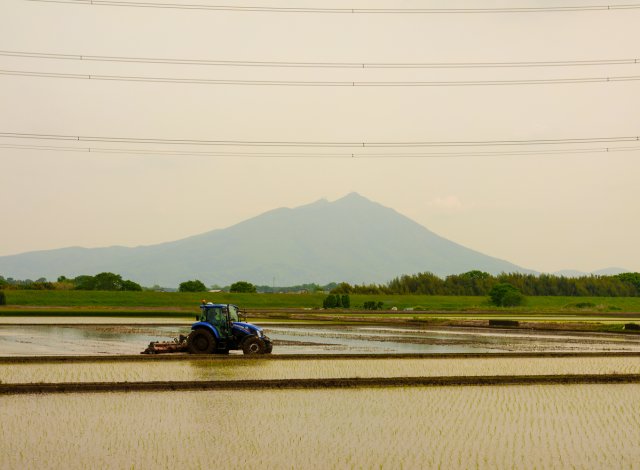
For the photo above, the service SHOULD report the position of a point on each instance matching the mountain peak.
(351, 239)
(353, 197)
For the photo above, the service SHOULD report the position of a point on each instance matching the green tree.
(338, 301)
(3, 298)
(505, 295)
(373, 305)
(85, 282)
(342, 288)
(131, 286)
(346, 301)
(103, 281)
(329, 301)
(192, 286)
(243, 286)
(630, 278)
(421, 283)
(107, 281)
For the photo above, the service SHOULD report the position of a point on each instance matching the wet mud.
(12, 389)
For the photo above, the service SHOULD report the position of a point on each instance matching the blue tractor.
(218, 329)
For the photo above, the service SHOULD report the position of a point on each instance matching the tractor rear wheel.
(201, 341)
(253, 345)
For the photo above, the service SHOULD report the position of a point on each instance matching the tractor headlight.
(259, 333)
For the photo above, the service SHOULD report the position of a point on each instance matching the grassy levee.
(150, 304)
(167, 300)
(188, 300)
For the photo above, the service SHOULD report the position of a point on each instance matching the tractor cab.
(220, 316)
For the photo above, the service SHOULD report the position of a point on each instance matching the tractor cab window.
(233, 313)
(214, 315)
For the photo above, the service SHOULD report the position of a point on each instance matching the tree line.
(481, 283)
(473, 283)
(102, 281)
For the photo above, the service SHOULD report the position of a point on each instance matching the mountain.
(352, 239)
(570, 273)
(610, 271)
(600, 272)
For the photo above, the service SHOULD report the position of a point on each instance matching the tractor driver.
(220, 317)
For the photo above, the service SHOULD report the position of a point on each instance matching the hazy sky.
(545, 212)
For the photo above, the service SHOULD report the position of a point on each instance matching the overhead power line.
(302, 155)
(319, 144)
(296, 83)
(343, 10)
(344, 65)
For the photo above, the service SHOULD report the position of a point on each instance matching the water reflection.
(80, 339)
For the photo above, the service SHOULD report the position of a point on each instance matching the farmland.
(406, 398)
(98, 336)
(541, 426)
(309, 368)
(183, 303)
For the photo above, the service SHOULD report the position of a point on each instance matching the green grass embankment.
(187, 303)
(596, 314)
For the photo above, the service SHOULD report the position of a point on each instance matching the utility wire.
(343, 65)
(267, 9)
(317, 144)
(302, 155)
(294, 83)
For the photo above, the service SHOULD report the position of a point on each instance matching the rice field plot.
(541, 426)
(243, 369)
(95, 320)
(80, 337)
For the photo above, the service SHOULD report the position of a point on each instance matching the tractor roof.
(212, 305)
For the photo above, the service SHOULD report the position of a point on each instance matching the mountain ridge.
(351, 239)
(610, 271)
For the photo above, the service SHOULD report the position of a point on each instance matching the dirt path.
(317, 383)
(330, 357)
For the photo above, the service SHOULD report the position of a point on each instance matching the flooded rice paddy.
(87, 338)
(296, 369)
(542, 426)
(486, 427)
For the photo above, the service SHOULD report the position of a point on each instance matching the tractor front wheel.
(253, 345)
(201, 342)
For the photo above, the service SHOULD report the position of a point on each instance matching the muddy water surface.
(113, 339)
